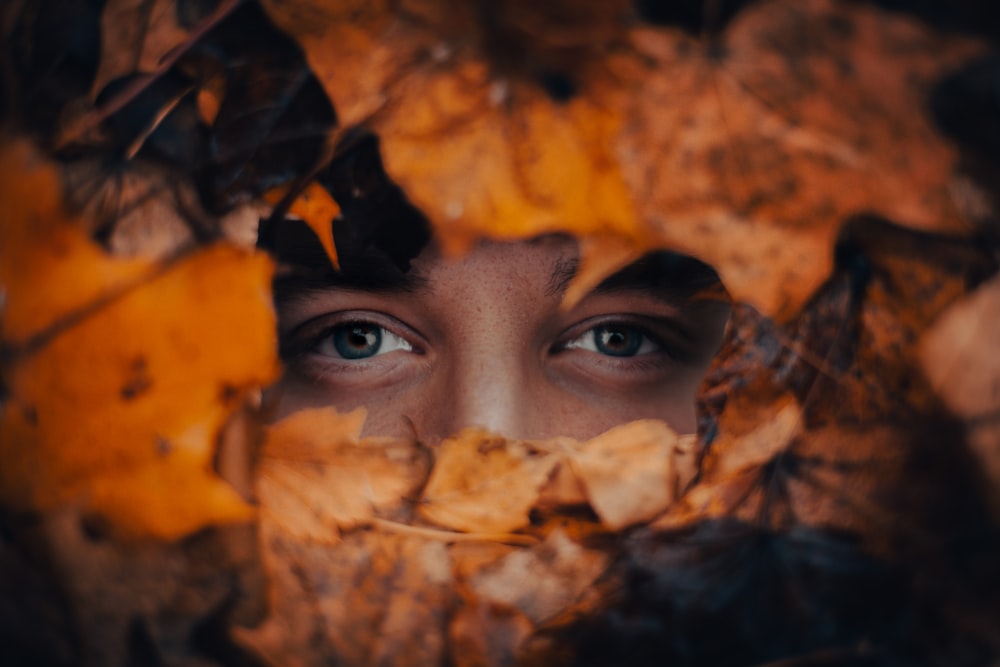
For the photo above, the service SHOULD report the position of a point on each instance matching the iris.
(357, 340)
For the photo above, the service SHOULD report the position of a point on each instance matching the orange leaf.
(484, 483)
(748, 153)
(315, 478)
(635, 471)
(119, 390)
(317, 209)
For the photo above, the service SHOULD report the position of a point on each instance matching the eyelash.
(637, 324)
(309, 336)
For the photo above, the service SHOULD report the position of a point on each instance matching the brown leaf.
(374, 598)
(634, 472)
(484, 483)
(542, 581)
(483, 634)
(48, 267)
(959, 356)
(750, 151)
(315, 478)
(957, 353)
(317, 209)
(135, 36)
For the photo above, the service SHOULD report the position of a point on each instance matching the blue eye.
(361, 340)
(614, 340)
(357, 340)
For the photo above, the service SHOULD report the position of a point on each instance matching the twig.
(94, 118)
(451, 536)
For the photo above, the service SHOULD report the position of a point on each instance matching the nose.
(489, 391)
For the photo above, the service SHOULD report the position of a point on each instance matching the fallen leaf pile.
(834, 160)
(372, 545)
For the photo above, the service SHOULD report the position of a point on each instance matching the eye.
(614, 340)
(360, 340)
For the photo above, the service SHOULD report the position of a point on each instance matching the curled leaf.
(634, 472)
(484, 483)
(316, 479)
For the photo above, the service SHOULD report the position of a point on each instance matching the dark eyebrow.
(669, 274)
(369, 273)
(563, 273)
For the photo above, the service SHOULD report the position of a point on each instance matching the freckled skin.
(487, 333)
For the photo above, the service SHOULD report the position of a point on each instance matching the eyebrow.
(368, 273)
(671, 275)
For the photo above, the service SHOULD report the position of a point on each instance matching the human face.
(482, 340)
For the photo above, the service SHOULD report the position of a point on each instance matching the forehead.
(544, 266)
(540, 262)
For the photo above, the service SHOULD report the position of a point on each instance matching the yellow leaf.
(120, 384)
(48, 267)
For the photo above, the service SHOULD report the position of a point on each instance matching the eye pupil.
(357, 341)
(617, 341)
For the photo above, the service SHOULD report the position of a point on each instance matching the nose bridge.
(488, 387)
(490, 362)
(489, 341)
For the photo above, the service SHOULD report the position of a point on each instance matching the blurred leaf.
(755, 143)
(135, 36)
(113, 401)
(959, 356)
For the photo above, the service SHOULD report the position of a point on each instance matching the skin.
(481, 340)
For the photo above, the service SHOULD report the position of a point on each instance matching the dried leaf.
(374, 598)
(730, 151)
(752, 437)
(48, 268)
(956, 353)
(542, 581)
(540, 166)
(317, 209)
(115, 402)
(750, 151)
(634, 472)
(315, 479)
(483, 634)
(484, 483)
(135, 36)
(959, 357)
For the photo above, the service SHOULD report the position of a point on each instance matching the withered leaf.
(485, 483)
(748, 151)
(956, 353)
(634, 472)
(724, 149)
(89, 349)
(135, 36)
(543, 580)
(316, 478)
(317, 209)
(374, 598)
(485, 634)
(959, 356)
